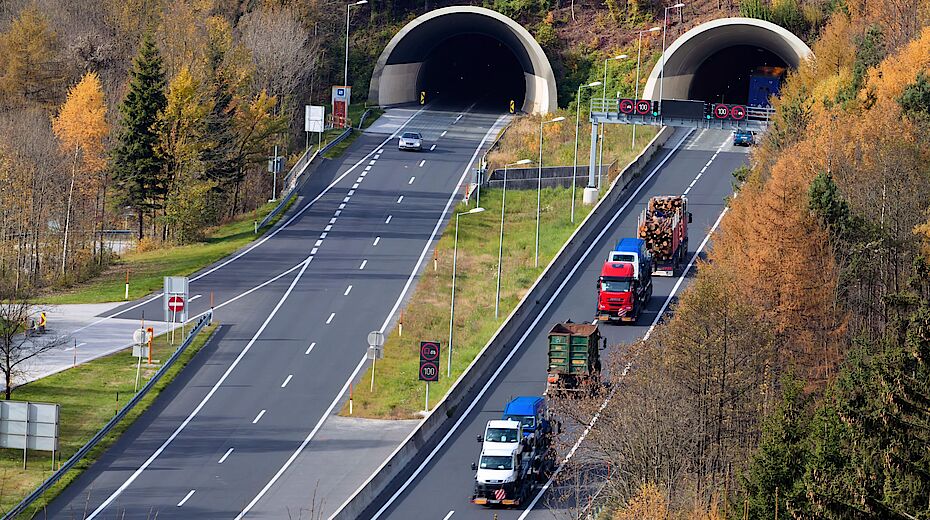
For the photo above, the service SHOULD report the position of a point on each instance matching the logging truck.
(663, 224)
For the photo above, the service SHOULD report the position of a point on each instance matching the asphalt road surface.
(296, 308)
(696, 163)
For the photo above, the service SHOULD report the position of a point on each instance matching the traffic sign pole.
(426, 407)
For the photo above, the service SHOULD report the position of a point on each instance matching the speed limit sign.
(429, 361)
(721, 111)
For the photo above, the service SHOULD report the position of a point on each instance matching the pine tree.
(137, 167)
(828, 204)
(218, 156)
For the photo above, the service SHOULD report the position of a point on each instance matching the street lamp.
(577, 118)
(600, 160)
(455, 251)
(500, 248)
(662, 70)
(539, 181)
(348, 8)
(639, 56)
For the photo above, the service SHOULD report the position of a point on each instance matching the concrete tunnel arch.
(409, 62)
(686, 59)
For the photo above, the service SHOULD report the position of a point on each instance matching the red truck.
(664, 227)
(621, 296)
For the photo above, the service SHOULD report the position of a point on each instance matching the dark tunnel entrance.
(473, 67)
(725, 76)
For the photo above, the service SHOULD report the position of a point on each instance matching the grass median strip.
(398, 394)
(89, 395)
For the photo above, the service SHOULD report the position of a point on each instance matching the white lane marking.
(362, 175)
(288, 380)
(258, 417)
(652, 327)
(422, 163)
(225, 456)
(529, 330)
(364, 263)
(194, 297)
(314, 250)
(448, 516)
(388, 219)
(355, 186)
(271, 234)
(332, 220)
(310, 348)
(371, 163)
(368, 168)
(351, 192)
(360, 179)
(79, 345)
(400, 199)
(443, 134)
(330, 319)
(710, 161)
(457, 119)
(336, 214)
(411, 180)
(377, 156)
(148, 462)
(387, 320)
(348, 290)
(346, 199)
(323, 234)
(377, 239)
(687, 190)
(318, 242)
(431, 148)
(186, 497)
(328, 228)
(704, 169)
(342, 205)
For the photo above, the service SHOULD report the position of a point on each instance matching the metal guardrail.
(21, 507)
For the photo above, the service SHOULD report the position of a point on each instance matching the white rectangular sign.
(176, 287)
(313, 118)
(25, 425)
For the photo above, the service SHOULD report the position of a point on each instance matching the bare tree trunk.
(64, 245)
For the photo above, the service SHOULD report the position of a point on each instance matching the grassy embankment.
(89, 395)
(355, 114)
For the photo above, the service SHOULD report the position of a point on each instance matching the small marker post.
(350, 399)
(400, 325)
(74, 363)
(126, 296)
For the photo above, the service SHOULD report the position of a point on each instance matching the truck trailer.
(663, 224)
(574, 358)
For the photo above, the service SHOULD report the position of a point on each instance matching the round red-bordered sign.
(429, 371)
(738, 112)
(627, 106)
(429, 351)
(721, 111)
(175, 303)
(643, 107)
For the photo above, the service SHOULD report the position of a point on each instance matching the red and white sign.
(176, 303)
(738, 112)
(500, 494)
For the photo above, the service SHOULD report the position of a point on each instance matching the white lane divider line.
(371, 162)
(448, 516)
(368, 168)
(388, 219)
(456, 121)
(328, 228)
(310, 348)
(318, 242)
(431, 148)
(313, 251)
(330, 319)
(411, 180)
(332, 220)
(710, 161)
(348, 290)
(323, 235)
(225, 456)
(186, 497)
(422, 163)
(337, 213)
(288, 380)
(346, 199)
(360, 178)
(351, 192)
(194, 297)
(381, 151)
(443, 134)
(342, 206)
(258, 417)
(400, 199)
(364, 263)
(377, 239)
(355, 186)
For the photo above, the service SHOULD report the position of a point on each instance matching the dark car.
(743, 138)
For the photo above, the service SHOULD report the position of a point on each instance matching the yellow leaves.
(648, 504)
(889, 79)
(182, 122)
(81, 124)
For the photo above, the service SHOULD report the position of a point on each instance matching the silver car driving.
(410, 141)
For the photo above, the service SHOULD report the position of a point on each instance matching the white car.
(410, 141)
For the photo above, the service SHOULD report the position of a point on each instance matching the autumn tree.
(30, 70)
(222, 78)
(136, 164)
(81, 127)
(256, 123)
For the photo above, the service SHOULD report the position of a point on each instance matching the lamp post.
(539, 181)
(577, 122)
(500, 248)
(662, 70)
(455, 251)
(348, 8)
(639, 57)
(600, 160)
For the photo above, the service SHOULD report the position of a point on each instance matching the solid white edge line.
(225, 456)
(526, 334)
(186, 497)
(132, 478)
(646, 336)
(387, 321)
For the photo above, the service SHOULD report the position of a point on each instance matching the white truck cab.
(505, 434)
(497, 465)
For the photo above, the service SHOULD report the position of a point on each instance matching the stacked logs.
(655, 227)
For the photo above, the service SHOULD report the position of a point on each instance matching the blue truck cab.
(532, 413)
(634, 251)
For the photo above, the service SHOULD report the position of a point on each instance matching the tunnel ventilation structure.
(465, 54)
(713, 61)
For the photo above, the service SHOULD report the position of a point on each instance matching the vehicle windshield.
(411, 135)
(615, 285)
(528, 420)
(495, 462)
(622, 257)
(501, 435)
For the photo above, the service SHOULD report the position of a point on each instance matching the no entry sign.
(176, 303)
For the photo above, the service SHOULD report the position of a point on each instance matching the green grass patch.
(147, 269)
(89, 395)
(398, 394)
(355, 114)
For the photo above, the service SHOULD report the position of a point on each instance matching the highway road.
(296, 308)
(695, 163)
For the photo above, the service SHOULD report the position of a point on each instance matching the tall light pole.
(539, 181)
(662, 70)
(500, 248)
(600, 160)
(639, 57)
(577, 122)
(348, 8)
(455, 251)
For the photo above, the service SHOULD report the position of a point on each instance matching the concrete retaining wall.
(418, 444)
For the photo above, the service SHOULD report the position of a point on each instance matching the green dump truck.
(574, 358)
